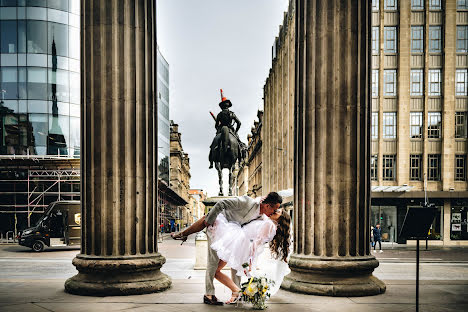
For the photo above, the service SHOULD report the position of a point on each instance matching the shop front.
(449, 228)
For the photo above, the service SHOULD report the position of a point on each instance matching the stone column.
(119, 252)
(332, 149)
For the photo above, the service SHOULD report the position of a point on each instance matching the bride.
(241, 247)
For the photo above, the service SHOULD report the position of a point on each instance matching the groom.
(242, 210)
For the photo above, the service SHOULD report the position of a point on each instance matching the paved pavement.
(34, 282)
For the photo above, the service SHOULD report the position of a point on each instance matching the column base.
(117, 276)
(337, 277)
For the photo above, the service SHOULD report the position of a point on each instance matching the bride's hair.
(279, 246)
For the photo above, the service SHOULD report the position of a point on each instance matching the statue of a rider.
(224, 118)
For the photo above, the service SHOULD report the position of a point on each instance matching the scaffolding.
(30, 185)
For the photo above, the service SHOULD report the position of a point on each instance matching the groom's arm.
(225, 204)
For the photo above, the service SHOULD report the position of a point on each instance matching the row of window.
(417, 82)
(38, 83)
(416, 167)
(434, 5)
(39, 134)
(434, 125)
(417, 39)
(72, 6)
(39, 37)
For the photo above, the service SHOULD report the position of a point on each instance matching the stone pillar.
(119, 251)
(332, 149)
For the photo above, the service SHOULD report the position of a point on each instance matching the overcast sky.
(213, 44)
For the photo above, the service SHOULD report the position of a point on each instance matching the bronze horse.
(228, 152)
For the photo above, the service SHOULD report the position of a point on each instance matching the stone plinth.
(332, 149)
(119, 251)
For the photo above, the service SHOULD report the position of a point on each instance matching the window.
(434, 5)
(462, 4)
(433, 167)
(460, 167)
(434, 126)
(417, 80)
(390, 43)
(58, 4)
(8, 36)
(434, 82)
(375, 83)
(58, 39)
(389, 125)
(458, 226)
(37, 83)
(435, 39)
(390, 82)
(461, 82)
(375, 5)
(9, 83)
(416, 125)
(375, 40)
(460, 125)
(37, 36)
(417, 37)
(375, 125)
(391, 5)
(417, 4)
(374, 169)
(462, 39)
(389, 167)
(415, 167)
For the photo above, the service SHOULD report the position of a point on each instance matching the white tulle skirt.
(230, 242)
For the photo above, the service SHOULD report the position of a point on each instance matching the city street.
(34, 282)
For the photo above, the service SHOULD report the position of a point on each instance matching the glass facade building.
(40, 77)
(164, 136)
(39, 108)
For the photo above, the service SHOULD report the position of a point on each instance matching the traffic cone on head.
(222, 96)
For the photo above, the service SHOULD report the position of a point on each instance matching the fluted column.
(119, 252)
(332, 149)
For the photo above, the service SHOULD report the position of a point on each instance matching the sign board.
(417, 222)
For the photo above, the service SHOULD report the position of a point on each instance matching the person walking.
(377, 237)
(372, 236)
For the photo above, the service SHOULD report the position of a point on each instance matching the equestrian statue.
(227, 148)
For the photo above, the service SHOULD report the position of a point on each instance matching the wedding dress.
(238, 246)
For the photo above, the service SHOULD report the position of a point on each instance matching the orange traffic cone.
(222, 96)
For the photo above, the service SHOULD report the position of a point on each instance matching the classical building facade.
(277, 125)
(180, 175)
(197, 208)
(249, 175)
(419, 114)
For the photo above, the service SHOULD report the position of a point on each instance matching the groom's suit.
(242, 210)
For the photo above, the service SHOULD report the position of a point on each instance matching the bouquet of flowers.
(256, 292)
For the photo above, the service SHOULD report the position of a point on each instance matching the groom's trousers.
(211, 266)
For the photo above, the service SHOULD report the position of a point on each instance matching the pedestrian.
(372, 236)
(377, 236)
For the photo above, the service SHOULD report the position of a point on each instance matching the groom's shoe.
(212, 301)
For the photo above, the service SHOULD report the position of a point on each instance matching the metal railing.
(10, 238)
